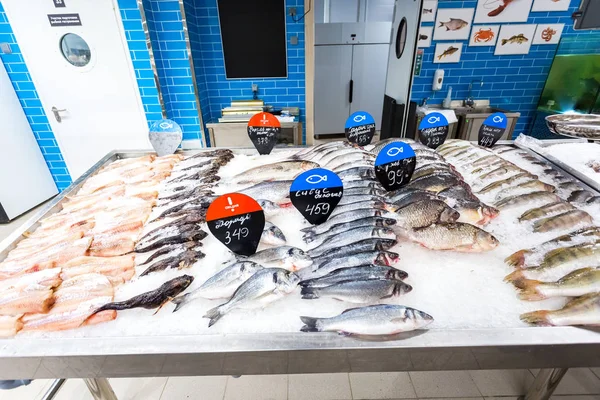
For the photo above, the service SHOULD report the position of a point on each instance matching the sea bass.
(262, 288)
(358, 273)
(380, 319)
(287, 257)
(352, 236)
(375, 257)
(584, 310)
(360, 292)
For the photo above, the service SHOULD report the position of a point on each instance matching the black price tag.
(492, 130)
(395, 165)
(263, 129)
(315, 193)
(360, 128)
(433, 130)
(237, 221)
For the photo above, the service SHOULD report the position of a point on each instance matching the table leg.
(100, 389)
(545, 383)
(54, 388)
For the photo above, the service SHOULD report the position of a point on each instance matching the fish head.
(449, 215)
(183, 281)
(489, 213)
(306, 165)
(396, 274)
(401, 288)
(384, 233)
(389, 207)
(276, 236)
(419, 318)
(286, 281)
(389, 221)
(299, 258)
(387, 257)
(485, 241)
(249, 268)
(385, 244)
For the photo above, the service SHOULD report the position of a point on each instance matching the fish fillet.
(13, 302)
(10, 325)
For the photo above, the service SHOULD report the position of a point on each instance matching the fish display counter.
(486, 259)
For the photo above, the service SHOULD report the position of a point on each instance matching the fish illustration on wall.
(516, 39)
(454, 24)
(449, 51)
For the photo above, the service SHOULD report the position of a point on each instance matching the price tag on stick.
(237, 221)
(263, 130)
(492, 130)
(316, 193)
(165, 136)
(433, 130)
(360, 128)
(395, 165)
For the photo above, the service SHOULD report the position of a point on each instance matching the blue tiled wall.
(207, 51)
(173, 66)
(140, 56)
(27, 94)
(512, 82)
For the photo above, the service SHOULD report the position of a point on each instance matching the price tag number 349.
(237, 234)
(317, 209)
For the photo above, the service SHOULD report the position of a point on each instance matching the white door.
(333, 71)
(85, 70)
(369, 68)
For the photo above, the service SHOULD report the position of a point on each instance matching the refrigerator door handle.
(351, 91)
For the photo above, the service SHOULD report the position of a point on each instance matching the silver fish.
(262, 288)
(366, 245)
(275, 191)
(359, 292)
(310, 237)
(347, 216)
(375, 257)
(368, 204)
(221, 285)
(272, 235)
(352, 236)
(379, 319)
(288, 257)
(359, 273)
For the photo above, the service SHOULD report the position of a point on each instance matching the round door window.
(75, 50)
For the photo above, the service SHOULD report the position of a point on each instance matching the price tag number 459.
(317, 209)
(237, 234)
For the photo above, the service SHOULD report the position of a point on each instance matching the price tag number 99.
(395, 177)
(317, 209)
(237, 234)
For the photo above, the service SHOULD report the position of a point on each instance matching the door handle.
(57, 112)
(351, 91)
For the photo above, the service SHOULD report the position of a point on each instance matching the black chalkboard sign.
(254, 39)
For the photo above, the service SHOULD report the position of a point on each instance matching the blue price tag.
(395, 165)
(433, 130)
(360, 128)
(316, 193)
(492, 129)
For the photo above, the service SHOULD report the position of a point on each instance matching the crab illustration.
(547, 34)
(484, 35)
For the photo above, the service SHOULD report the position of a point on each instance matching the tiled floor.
(578, 384)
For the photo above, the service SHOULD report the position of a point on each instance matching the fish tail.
(107, 306)
(214, 314)
(539, 318)
(441, 24)
(504, 41)
(309, 293)
(180, 301)
(529, 289)
(514, 276)
(516, 259)
(310, 324)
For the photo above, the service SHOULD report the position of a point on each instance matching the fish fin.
(180, 301)
(539, 318)
(350, 309)
(307, 230)
(447, 29)
(168, 299)
(514, 276)
(309, 293)
(344, 333)
(529, 292)
(310, 324)
(516, 259)
(214, 314)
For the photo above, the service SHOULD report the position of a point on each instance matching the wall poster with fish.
(425, 34)
(495, 11)
(548, 33)
(515, 39)
(453, 23)
(551, 5)
(484, 35)
(429, 10)
(447, 53)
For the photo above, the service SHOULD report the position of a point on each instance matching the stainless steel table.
(553, 349)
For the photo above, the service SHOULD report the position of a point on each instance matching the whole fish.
(364, 205)
(518, 39)
(222, 285)
(345, 217)
(358, 273)
(448, 52)
(272, 235)
(454, 24)
(352, 236)
(545, 210)
(171, 235)
(568, 219)
(525, 187)
(580, 196)
(188, 218)
(521, 199)
(172, 250)
(262, 288)
(578, 283)
(435, 183)
(456, 236)
(153, 299)
(500, 172)
(288, 257)
(515, 179)
(375, 257)
(521, 258)
(277, 171)
(198, 204)
(379, 319)
(584, 310)
(434, 168)
(181, 260)
(425, 213)
(270, 208)
(360, 292)
(363, 246)
(275, 191)
(337, 229)
(405, 198)
(560, 262)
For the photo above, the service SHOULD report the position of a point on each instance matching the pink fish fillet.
(45, 279)
(13, 302)
(10, 325)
